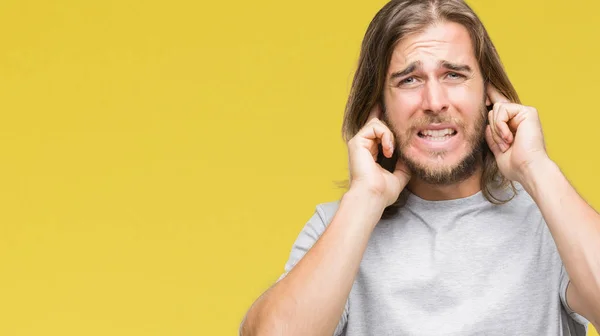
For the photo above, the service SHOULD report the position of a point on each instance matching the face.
(434, 102)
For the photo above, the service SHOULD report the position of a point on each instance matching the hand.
(365, 173)
(514, 135)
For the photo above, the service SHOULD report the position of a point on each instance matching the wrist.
(367, 203)
(537, 173)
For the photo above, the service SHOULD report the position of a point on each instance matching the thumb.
(401, 171)
(491, 143)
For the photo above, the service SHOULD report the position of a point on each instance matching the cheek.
(401, 107)
(463, 94)
(468, 102)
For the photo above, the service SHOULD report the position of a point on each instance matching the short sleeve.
(582, 322)
(309, 235)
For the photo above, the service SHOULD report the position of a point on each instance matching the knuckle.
(369, 126)
(365, 128)
(374, 120)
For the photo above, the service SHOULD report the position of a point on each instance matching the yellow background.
(158, 158)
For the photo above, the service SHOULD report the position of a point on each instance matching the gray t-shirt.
(456, 267)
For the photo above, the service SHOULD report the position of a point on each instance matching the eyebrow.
(409, 69)
(417, 64)
(455, 66)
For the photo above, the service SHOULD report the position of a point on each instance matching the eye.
(454, 75)
(407, 81)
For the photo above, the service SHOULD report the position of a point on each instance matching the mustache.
(426, 120)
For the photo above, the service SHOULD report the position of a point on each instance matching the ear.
(488, 101)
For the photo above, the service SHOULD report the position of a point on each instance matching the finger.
(386, 139)
(507, 119)
(494, 147)
(495, 95)
(401, 171)
(373, 133)
(503, 131)
(493, 129)
(500, 125)
(387, 143)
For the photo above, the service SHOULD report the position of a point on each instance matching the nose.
(435, 98)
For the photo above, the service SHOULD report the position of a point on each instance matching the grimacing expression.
(435, 103)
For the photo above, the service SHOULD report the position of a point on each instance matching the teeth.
(437, 133)
(438, 138)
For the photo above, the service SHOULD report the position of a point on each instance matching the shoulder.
(326, 211)
(318, 222)
(521, 199)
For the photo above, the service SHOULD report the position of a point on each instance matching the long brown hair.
(396, 20)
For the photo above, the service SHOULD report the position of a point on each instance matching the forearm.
(311, 298)
(575, 226)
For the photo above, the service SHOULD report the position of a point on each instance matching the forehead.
(447, 41)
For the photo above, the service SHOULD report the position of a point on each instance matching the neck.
(434, 192)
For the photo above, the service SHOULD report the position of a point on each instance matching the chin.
(435, 159)
(437, 166)
(441, 168)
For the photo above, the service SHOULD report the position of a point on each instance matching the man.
(456, 222)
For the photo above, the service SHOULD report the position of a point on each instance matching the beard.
(445, 174)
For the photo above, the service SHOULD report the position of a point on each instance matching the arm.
(514, 135)
(575, 227)
(311, 298)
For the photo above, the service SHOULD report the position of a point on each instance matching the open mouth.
(437, 135)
